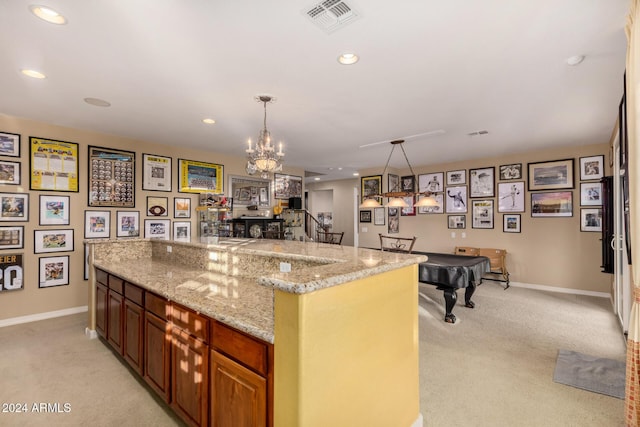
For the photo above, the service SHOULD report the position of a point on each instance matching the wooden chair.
(466, 250)
(396, 244)
(273, 234)
(333, 238)
(498, 260)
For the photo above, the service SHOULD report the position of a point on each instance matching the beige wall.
(31, 300)
(548, 251)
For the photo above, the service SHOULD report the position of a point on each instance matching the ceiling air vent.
(331, 15)
(480, 132)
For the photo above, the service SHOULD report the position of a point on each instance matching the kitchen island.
(331, 331)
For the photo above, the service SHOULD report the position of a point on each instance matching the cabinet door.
(133, 334)
(189, 377)
(157, 354)
(114, 330)
(101, 310)
(238, 395)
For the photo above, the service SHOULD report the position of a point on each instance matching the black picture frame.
(365, 215)
(9, 144)
(10, 172)
(511, 223)
(55, 210)
(156, 172)
(157, 206)
(287, 186)
(14, 207)
(551, 175)
(408, 183)
(510, 172)
(552, 204)
(112, 177)
(591, 167)
(53, 165)
(370, 186)
(53, 271)
(482, 182)
(53, 240)
(482, 214)
(12, 237)
(457, 222)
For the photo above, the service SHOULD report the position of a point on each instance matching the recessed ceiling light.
(208, 121)
(33, 73)
(316, 179)
(348, 58)
(356, 174)
(97, 102)
(47, 14)
(575, 60)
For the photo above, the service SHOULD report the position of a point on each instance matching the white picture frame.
(457, 177)
(97, 224)
(511, 196)
(482, 182)
(54, 210)
(511, 223)
(591, 194)
(591, 168)
(182, 231)
(127, 223)
(14, 207)
(456, 199)
(10, 172)
(591, 219)
(46, 241)
(156, 172)
(181, 207)
(431, 182)
(159, 229)
(53, 271)
(482, 213)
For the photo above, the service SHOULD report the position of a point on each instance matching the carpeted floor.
(596, 374)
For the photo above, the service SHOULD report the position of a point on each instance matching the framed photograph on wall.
(552, 204)
(9, 144)
(127, 223)
(511, 196)
(182, 231)
(112, 177)
(437, 209)
(481, 182)
(591, 219)
(370, 186)
(410, 210)
(14, 207)
(365, 215)
(181, 207)
(200, 177)
(9, 173)
(97, 224)
(157, 206)
(378, 216)
(157, 229)
(53, 165)
(456, 201)
(457, 177)
(287, 186)
(432, 182)
(512, 171)
(457, 221)
(54, 210)
(53, 271)
(52, 241)
(12, 237)
(482, 213)
(393, 182)
(591, 168)
(408, 183)
(12, 266)
(156, 172)
(590, 194)
(394, 221)
(552, 175)
(248, 191)
(511, 223)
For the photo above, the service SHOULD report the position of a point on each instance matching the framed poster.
(481, 182)
(512, 171)
(127, 223)
(9, 173)
(393, 182)
(53, 165)
(370, 186)
(511, 223)
(9, 144)
(437, 209)
(157, 229)
(252, 191)
(54, 210)
(457, 221)
(553, 175)
(182, 231)
(591, 219)
(156, 172)
(287, 186)
(511, 196)
(52, 241)
(97, 224)
(553, 204)
(591, 168)
(181, 207)
(408, 183)
(431, 182)
(14, 207)
(157, 206)
(590, 194)
(200, 177)
(12, 237)
(394, 220)
(482, 213)
(456, 199)
(12, 272)
(112, 176)
(457, 177)
(365, 215)
(378, 216)
(410, 210)
(54, 271)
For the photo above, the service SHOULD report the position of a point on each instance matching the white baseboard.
(419, 422)
(559, 290)
(42, 316)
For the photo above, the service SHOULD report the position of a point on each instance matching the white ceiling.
(457, 66)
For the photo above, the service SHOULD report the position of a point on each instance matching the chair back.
(334, 238)
(497, 258)
(466, 250)
(396, 244)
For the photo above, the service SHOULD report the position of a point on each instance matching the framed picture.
(9, 144)
(365, 215)
(200, 177)
(287, 186)
(52, 241)
(12, 237)
(590, 219)
(54, 271)
(14, 207)
(559, 203)
(481, 182)
(11, 265)
(181, 207)
(482, 214)
(97, 224)
(457, 177)
(411, 210)
(431, 182)
(457, 221)
(248, 191)
(182, 231)
(86, 261)
(438, 209)
(112, 177)
(591, 168)
(157, 206)
(511, 223)
(554, 175)
(127, 223)
(370, 186)
(590, 194)
(9, 173)
(53, 165)
(157, 229)
(512, 171)
(511, 196)
(54, 210)
(456, 199)
(393, 182)
(378, 216)
(408, 183)
(394, 221)
(156, 172)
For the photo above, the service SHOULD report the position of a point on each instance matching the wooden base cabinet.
(157, 346)
(101, 309)
(114, 328)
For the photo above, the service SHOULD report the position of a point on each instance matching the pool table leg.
(467, 296)
(450, 298)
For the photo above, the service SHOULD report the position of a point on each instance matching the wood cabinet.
(115, 304)
(101, 309)
(133, 327)
(157, 346)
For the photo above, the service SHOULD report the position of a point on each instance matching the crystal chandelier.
(264, 158)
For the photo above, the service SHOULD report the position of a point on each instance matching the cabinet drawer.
(101, 276)
(243, 348)
(134, 293)
(156, 305)
(116, 284)
(190, 321)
